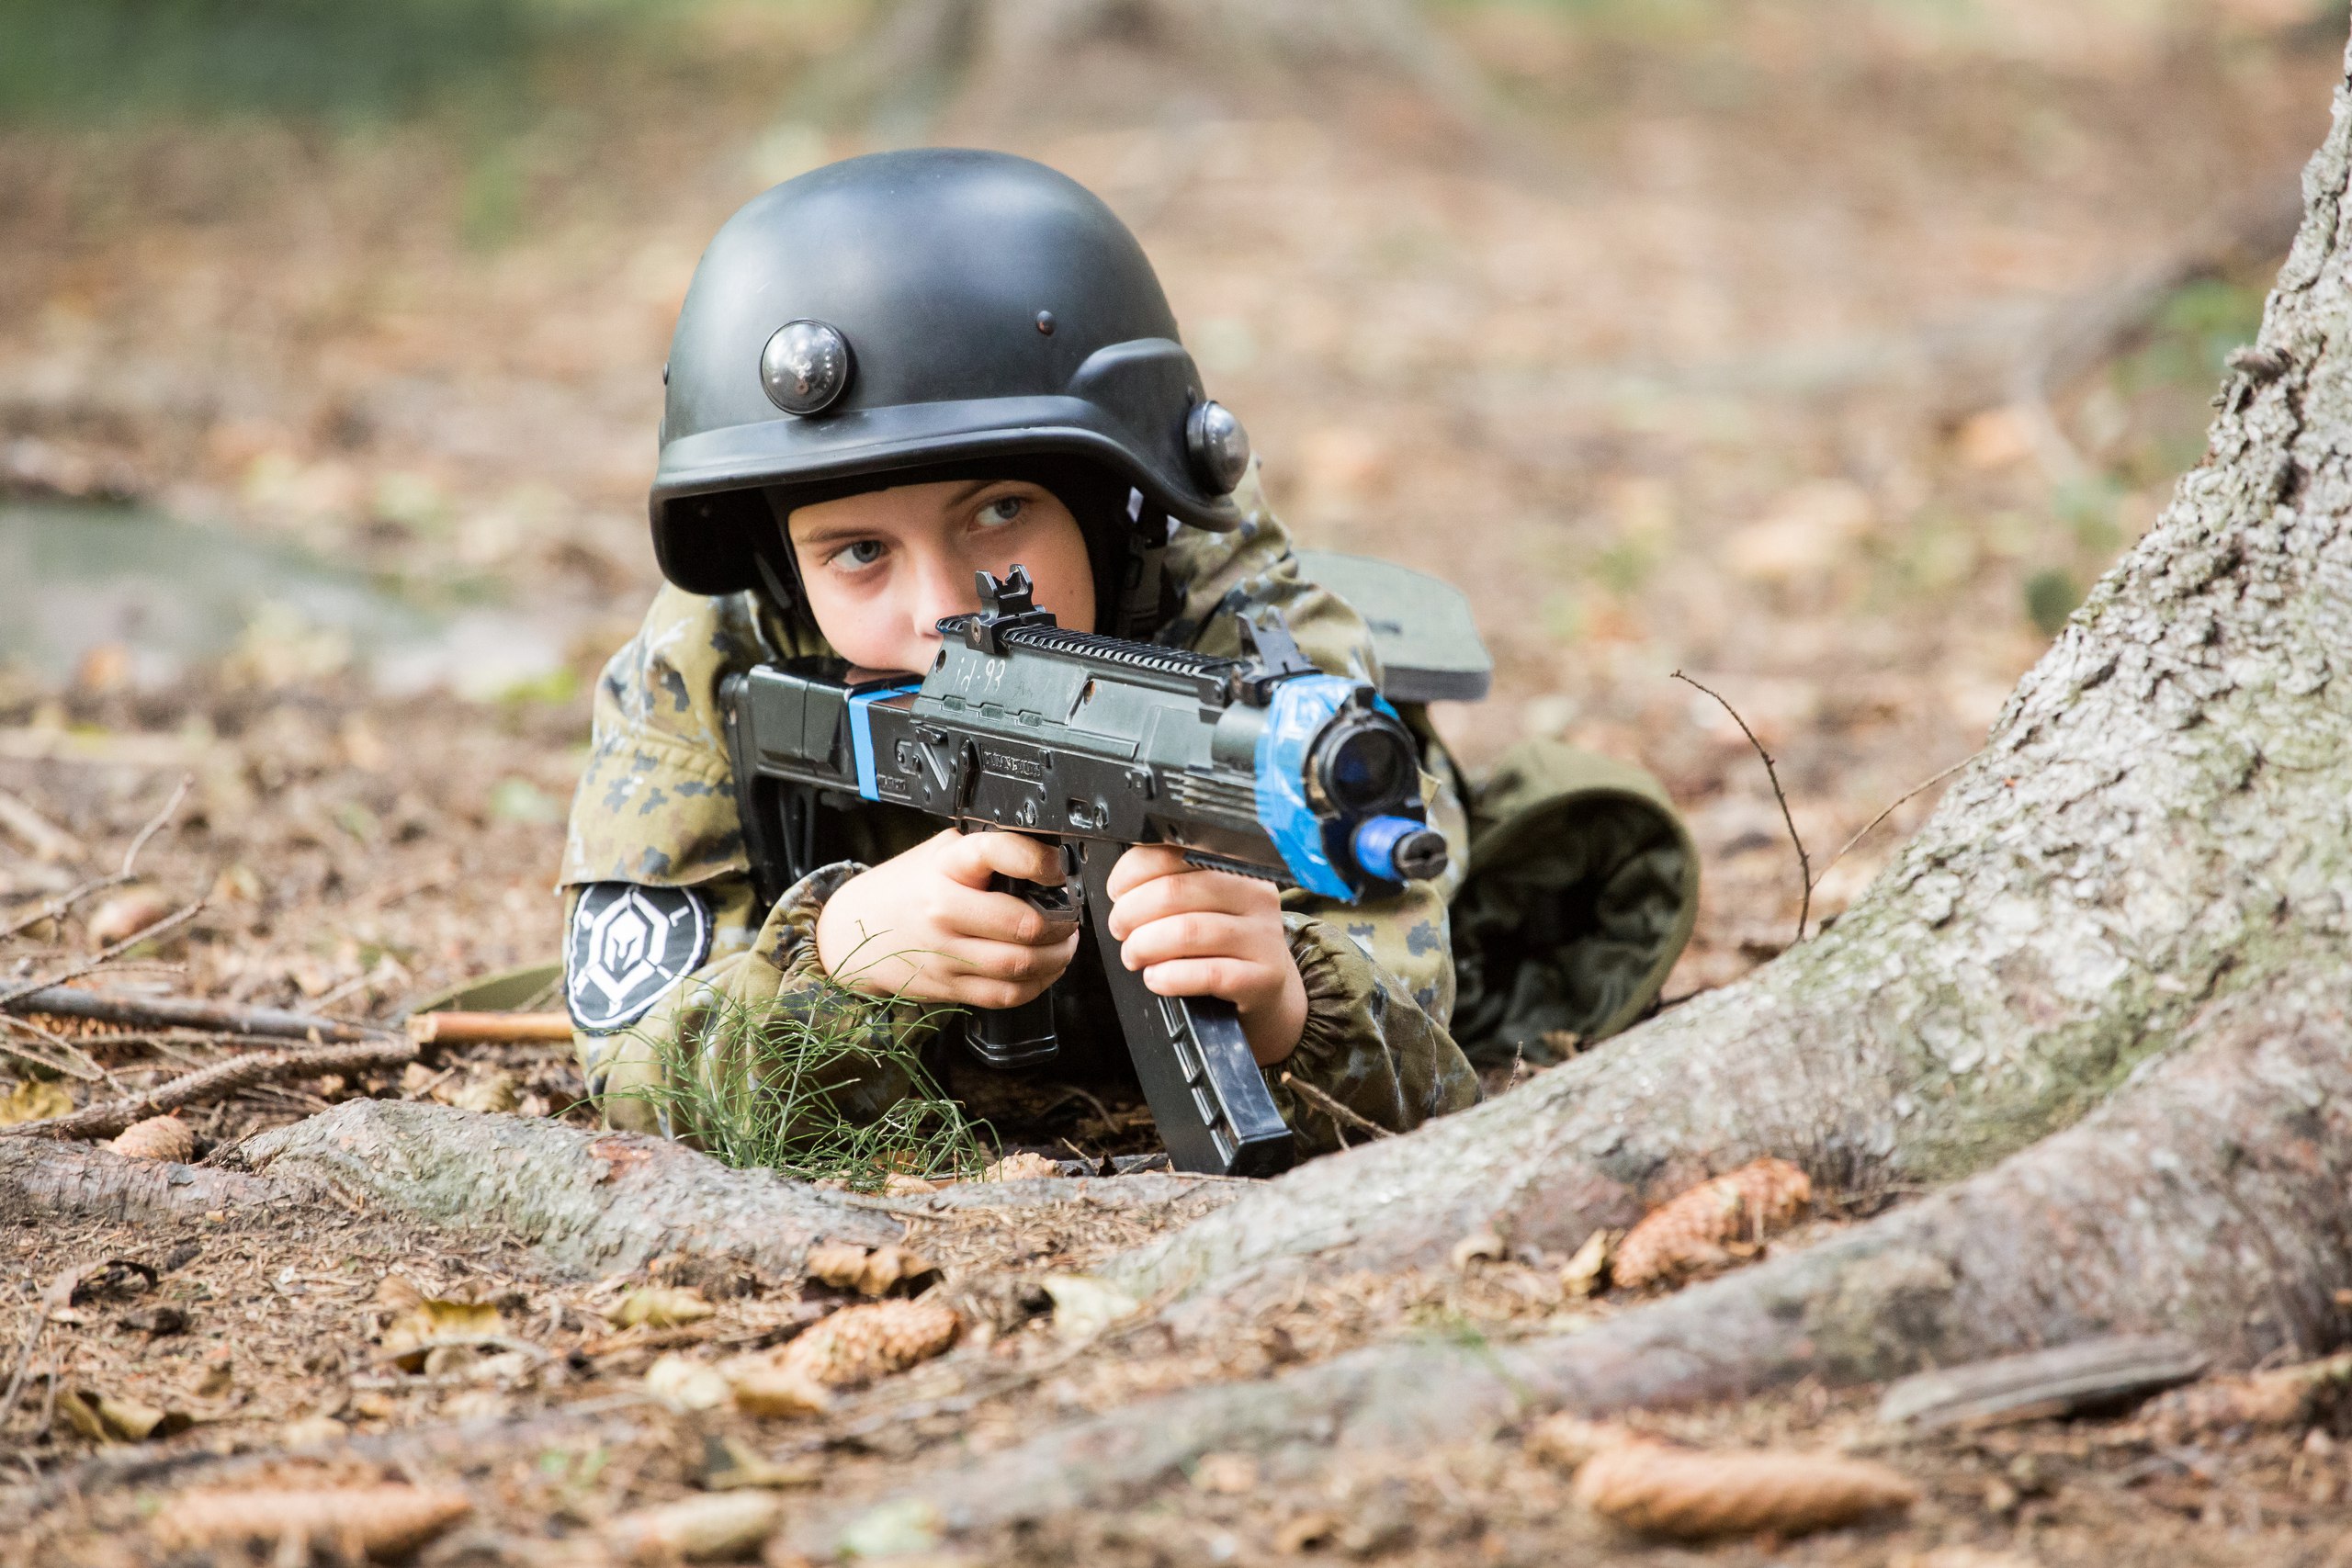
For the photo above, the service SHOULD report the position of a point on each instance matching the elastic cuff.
(1342, 994)
(788, 938)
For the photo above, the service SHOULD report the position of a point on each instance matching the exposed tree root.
(43, 1180)
(590, 1204)
(2208, 1200)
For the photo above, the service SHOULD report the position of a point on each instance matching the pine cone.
(1022, 1166)
(380, 1521)
(847, 1266)
(158, 1137)
(1662, 1491)
(858, 1344)
(1690, 1233)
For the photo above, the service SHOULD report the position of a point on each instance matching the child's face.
(879, 569)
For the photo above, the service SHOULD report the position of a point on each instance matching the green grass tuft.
(817, 1086)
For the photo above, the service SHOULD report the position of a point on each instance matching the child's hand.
(1210, 933)
(924, 924)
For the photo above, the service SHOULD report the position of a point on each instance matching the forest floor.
(1717, 370)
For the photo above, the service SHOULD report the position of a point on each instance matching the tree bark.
(2156, 823)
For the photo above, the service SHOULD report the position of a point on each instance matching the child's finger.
(1141, 863)
(993, 917)
(976, 857)
(1231, 978)
(996, 975)
(1009, 960)
(1220, 892)
(1195, 935)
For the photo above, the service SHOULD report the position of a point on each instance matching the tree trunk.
(2156, 823)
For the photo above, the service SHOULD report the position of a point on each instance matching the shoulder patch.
(630, 943)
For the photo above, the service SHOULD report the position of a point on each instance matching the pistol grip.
(1023, 1036)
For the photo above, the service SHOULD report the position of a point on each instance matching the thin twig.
(336, 995)
(45, 839)
(1333, 1108)
(221, 1078)
(87, 1068)
(62, 902)
(155, 823)
(1804, 864)
(104, 956)
(1907, 794)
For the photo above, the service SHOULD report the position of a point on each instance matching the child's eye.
(1002, 510)
(855, 557)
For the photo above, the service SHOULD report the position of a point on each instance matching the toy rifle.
(1264, 766)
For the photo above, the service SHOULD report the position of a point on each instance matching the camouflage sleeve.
(1379, 974)
(656, 801)
(756, 1015)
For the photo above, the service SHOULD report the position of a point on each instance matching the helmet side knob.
(804, 366)
(1217, 446)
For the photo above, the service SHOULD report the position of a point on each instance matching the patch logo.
(628, 944)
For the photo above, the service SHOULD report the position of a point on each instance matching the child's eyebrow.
(825, 536)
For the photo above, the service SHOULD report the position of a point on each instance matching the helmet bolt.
(1045, 323)
(1218, 444)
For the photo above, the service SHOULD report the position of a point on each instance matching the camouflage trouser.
(1582, 889)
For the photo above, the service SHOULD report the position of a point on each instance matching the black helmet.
(912, 314)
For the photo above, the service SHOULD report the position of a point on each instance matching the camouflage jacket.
(656, 808)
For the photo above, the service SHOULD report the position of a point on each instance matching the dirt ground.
(1702, 353)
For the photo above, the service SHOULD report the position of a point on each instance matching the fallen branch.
(71, 1060)
(490, 1028)
(187, 1012)
(58, 905)
(2106, 1372)
(221, 1078)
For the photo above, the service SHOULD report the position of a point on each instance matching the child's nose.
(944, 590)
